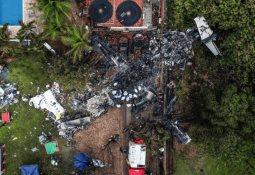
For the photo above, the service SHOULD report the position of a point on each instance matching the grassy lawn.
(21, 135)
(205, 166)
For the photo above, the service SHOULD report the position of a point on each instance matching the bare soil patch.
(95, 136)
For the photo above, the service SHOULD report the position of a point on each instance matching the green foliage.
(78, 39)
(152, 133)
(53, 31)
(235, 24)
(55, 15)
(68, 74)
(21, 135)
(18, 51)
(226, 111)
(4, 34)
(54, 11)
(230, 110)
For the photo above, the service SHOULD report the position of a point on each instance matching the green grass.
(29, 73)
(208, 165)
(182, 167)
(21, 135)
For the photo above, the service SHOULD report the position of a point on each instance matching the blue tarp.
(82, 161)
(29, 170)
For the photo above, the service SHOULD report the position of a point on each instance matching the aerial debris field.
(121, 120)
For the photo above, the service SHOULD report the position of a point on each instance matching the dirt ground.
(95, 136)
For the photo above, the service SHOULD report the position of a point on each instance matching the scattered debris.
(55, 160)
(173, 127)
(8, 94)
(3, 71)
(49, 48)
(71, 124)
(44, 138)
(47, 101)
(34, 149)
(24, 99)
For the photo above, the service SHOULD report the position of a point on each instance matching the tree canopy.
(226, 111)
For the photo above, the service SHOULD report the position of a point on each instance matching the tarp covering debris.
(51, 147)
(82, 161)
(29, 170)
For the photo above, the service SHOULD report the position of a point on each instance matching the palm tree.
(53, 31)
(4, 34)
(27, 31)
(78, 39)
(54, 11)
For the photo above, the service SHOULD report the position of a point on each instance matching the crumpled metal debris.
(8, 94)
(134, 80)
(48, 102)
(72, 123)
(44, 138)
(177, 131)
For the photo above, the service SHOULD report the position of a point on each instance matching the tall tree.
(78, 39)
(55, 15)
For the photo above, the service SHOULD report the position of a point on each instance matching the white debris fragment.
(38, 89)
(34, 149)
(47, 101)
(129, 105)
(24, 99)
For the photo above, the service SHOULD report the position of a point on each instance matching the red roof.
(113, 22)
(5, 117)
(136, 171)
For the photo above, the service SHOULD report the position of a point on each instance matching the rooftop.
(113, 21)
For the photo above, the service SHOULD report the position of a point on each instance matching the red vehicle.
(137, 157)
(6, 118)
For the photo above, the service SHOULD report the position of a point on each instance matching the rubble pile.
(133, 83)
(103, 46)
(71, 123)
(93, 104)
(175, 47)
(99, 104)
(8, 94)
(177, 131)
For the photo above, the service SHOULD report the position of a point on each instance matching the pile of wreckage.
(133, 82)
(8, 94)
(66, 124)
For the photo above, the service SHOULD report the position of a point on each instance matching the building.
(121, 15)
